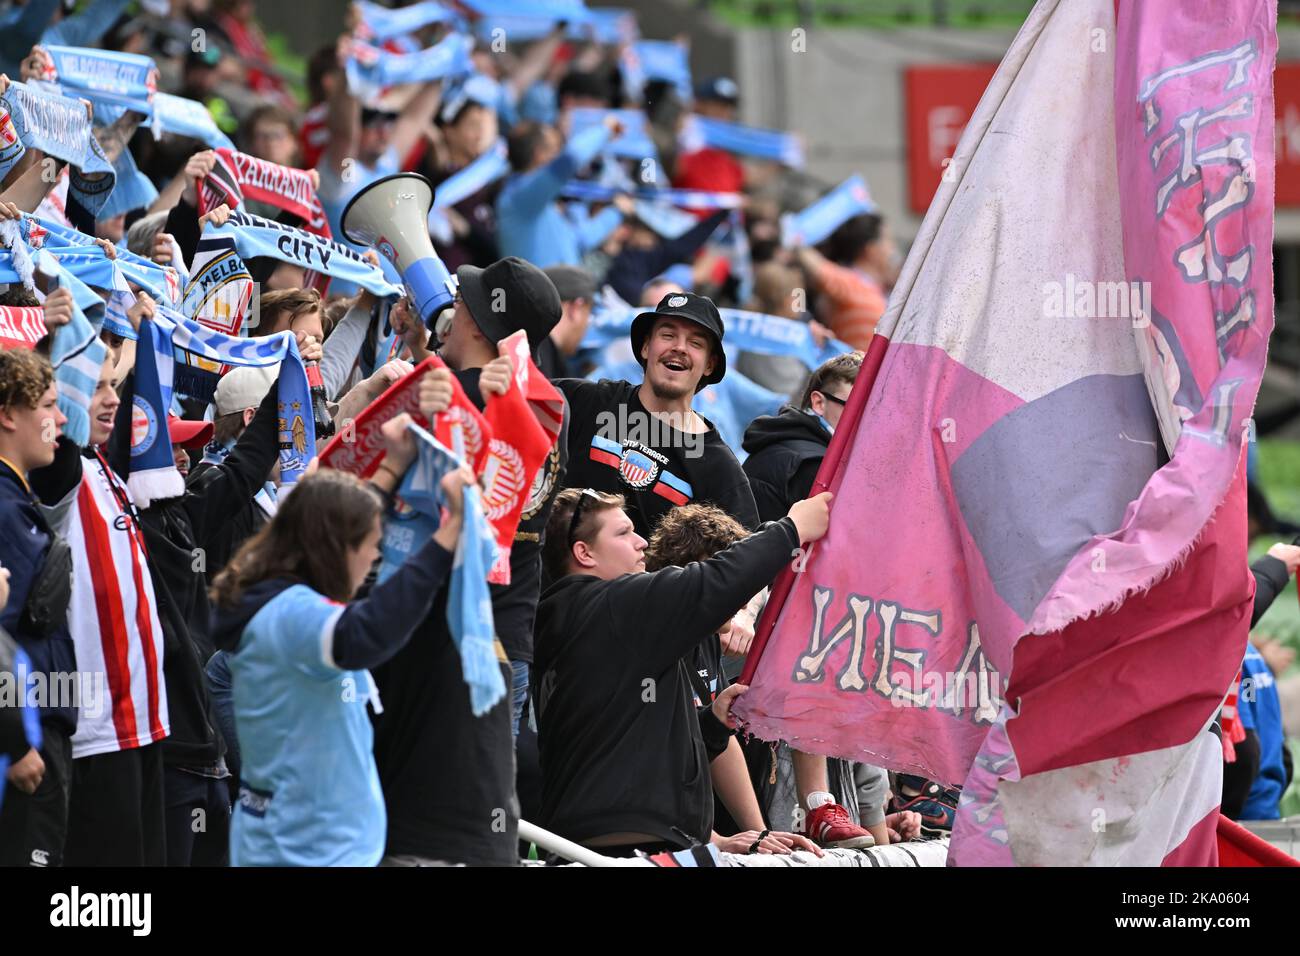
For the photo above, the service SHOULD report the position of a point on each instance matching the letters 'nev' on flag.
(1035, 581)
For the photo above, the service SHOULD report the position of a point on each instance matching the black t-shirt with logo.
(616, 446)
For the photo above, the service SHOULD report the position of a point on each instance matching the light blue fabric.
(633, 143)
(385, 23)
(811, 225)
(309, 793)
(88, 26)
(56, 125)
(699, 132)
(371, 70)
(112, 81)
(531, 224)
(469, 602)
(257, 237)
(176, 114)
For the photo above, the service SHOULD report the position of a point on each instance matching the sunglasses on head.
(587, 494)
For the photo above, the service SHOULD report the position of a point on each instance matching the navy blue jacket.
(24, 541)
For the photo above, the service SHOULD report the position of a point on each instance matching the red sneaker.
(831, 826)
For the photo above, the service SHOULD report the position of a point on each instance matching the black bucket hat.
(523, 296)
(692, 308)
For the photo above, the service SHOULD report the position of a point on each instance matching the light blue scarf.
(171, 333)
(469, 601)
(385, 23)
(699, 132)
(107, 78)
(59, 127)
(254, 236)
(371, 70)
(176, 114)
(813, 224)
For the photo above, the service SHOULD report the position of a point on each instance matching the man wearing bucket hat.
(439, 764)
(644, 441)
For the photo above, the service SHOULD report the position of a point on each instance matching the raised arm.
(414, 119)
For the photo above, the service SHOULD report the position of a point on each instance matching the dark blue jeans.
(518, 692)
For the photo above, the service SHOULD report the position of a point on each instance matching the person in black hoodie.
(625, 754)
(448, 776)
(785, 450)
(178, 532)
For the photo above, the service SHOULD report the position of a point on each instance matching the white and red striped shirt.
(113, 618)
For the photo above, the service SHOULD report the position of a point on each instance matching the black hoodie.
(785, 451)
(180, 532)
(620, 740)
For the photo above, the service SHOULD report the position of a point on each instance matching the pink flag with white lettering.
(1035, 583)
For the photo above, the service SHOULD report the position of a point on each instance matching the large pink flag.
(1035, 583)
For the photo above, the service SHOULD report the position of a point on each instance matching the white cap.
(245, 387)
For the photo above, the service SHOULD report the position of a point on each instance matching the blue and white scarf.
(633, 143)
(522, 22)
(608, 26)
(811, 225)
(110, 80)
(134, 190)
(745, 331)
(255, 236)
(59, 127)
(469, 601)
(160, 282)
(682, 198)
(371, 70)
(657, 60)
(176, 114)
(699, 132)
(465, 182)
(384, 23)
(153, 470)
(76, 352)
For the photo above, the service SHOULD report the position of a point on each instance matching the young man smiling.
(644, 441)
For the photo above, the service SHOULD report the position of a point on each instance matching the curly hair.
(24, 378)
(691, 533)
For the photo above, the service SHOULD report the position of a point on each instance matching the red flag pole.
(836, 455)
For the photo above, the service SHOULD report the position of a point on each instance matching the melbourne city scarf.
(105, 77)
(469, 602)
(153, 473)
(700, 132)
(255, 236)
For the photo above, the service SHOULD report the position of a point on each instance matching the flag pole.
(836, 456)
